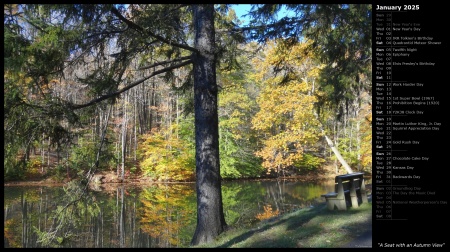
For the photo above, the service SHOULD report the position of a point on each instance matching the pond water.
(157, 215)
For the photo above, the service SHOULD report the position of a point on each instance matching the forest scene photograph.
(187, 125)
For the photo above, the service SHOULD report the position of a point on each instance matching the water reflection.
(159, 215)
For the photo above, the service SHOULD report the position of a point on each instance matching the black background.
(412, 223)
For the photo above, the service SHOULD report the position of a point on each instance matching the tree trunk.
(210, 217)
(334, 149)
(338, 155)
(124, 138)
(135, 125)
(152, 106)
(122, 218)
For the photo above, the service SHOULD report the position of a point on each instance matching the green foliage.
(306, 228)
(32, 168)
(309, 162)
(229, 51)
(60, 172)
(349, 154)
(238, 199)
(34, 58)
(237, 106)
(84, 155)
(68, 216)
(19, 131)
(227, 162)
(235, 160)
(14, 168)
(133, 170)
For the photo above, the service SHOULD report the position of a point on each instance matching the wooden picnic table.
(349, 190)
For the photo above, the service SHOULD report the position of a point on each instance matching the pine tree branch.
(140, 29)
(260, 27)
(164, 62)
(114, 94)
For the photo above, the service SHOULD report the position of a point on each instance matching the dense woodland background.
(278, 96)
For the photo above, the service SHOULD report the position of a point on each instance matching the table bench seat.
(349, 191)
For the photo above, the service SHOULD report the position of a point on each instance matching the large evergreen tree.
(109, 37)
(210, 218)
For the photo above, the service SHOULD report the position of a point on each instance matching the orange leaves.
(268, 213)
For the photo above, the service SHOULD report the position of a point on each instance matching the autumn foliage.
(166, 156)
(268, 213)
(286, 120)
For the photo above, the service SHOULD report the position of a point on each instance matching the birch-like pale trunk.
(338, 155)
(124, 138)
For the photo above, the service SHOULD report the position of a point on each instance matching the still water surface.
(157, 215)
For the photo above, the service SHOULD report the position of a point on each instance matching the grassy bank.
(315, 227)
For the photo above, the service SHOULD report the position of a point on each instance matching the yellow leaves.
(298, 56)
(286, 119)
(165, 210)
(314, 72)
(366, 137)
(281, 150)
(284, 104)
(369, 118)
(366, 142)
(167, 157)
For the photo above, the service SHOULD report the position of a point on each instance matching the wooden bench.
(349, 189)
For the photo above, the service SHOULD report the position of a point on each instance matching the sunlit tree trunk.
(152, 110)
(48, 153)
(42, 152)
(358, 144)
(135, 124)
(338, 155)
(124, 138)
(122, 218)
